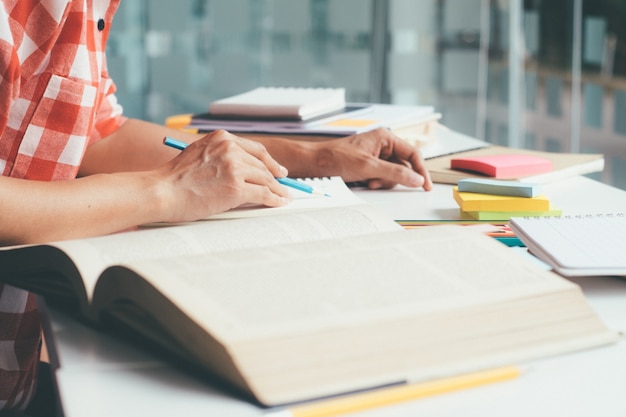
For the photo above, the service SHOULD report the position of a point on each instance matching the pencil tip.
(320, 193)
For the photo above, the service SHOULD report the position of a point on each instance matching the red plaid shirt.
(56, 98)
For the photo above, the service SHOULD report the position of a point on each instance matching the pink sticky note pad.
(503, 165)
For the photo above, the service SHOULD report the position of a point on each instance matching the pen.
(396, 394)
(289, 182)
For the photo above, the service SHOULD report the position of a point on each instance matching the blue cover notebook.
(500, 187)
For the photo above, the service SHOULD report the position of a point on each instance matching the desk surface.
(103, 376)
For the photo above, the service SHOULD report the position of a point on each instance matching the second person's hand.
(378, 157)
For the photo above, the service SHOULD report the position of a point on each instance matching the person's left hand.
(379, 158)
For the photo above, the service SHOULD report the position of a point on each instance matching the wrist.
(312, 159)
(326, 161)
(159, 198)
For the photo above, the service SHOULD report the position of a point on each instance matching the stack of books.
(499, 200)
(309, 114)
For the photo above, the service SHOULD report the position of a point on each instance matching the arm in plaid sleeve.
(109, 115)
(19, 321)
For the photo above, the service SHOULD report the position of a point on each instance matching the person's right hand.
(217, 173)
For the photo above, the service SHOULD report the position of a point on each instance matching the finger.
(257, 174)
(405, 152)
(256, 165)
(260, 152)
(418, 164)
(260, 194)
(392, 173)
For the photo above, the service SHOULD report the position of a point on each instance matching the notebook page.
(589, 244)
(337, 194)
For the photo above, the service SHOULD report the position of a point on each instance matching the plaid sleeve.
(19, 347)
(109, 113)
(9, 68)
(19, 320)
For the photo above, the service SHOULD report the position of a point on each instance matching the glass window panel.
(593, 95)
(553, 145)
(531, 90)
(554, 96)
(458, 55)
(619, 112)
(595, 33)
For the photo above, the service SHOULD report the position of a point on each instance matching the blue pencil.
(289, 182)
(174, 143)
(299, 185)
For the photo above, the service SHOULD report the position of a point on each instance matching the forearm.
(301, 158)
(378, 157)
(136, 146)
(99, 204)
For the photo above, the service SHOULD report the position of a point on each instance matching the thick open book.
(316, 303)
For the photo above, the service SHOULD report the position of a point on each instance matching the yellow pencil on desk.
(396, 394)
(286, 181)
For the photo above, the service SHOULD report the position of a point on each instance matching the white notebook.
(337, 194)
(281, 102)
(576, 245)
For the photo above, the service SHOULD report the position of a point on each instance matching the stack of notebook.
(498, 200)
(309, 114)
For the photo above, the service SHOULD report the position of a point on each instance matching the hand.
(219, 172)
(377, 157)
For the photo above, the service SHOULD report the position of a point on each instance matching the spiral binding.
(582, 216)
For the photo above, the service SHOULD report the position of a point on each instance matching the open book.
(316, 303)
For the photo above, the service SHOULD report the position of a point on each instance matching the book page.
(93, 255)
(311, 319)
(344, 281)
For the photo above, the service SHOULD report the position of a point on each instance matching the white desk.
(103, 376)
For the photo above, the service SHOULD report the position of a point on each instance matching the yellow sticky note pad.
(469, 202)
(352, 122)
(178, 121)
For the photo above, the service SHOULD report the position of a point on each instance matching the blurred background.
(538, 74)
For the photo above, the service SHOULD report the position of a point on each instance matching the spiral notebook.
(584, 245)
(335, 193)
(281, 102)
